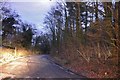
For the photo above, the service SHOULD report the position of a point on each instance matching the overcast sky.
(33, 12)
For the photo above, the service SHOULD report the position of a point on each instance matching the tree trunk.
(66, 26)
(96, 10)
(119, 26)
(78, 27)
(77, 19)
(86, 16)
(119, 36)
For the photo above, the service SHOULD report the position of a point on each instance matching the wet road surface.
(34, 67)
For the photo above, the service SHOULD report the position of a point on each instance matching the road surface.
(35, 67)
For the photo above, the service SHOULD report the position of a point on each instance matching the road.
(35, 67)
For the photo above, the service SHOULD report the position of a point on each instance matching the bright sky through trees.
(33, 12)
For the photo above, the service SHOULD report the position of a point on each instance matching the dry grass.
(18, 51)
(92, 61)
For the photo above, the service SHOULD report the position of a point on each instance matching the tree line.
(73, 28)
(78, 27)
(18, 34)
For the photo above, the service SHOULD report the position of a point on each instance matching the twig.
(88, 60)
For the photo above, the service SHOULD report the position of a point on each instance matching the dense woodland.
(81, 36)
(85, 36)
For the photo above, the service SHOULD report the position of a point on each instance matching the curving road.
(37, 66)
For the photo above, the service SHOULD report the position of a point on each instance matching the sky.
(33, 12)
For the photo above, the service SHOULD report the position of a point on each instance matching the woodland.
(82, 36)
